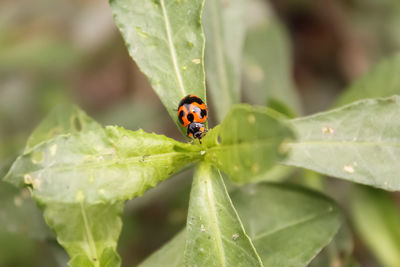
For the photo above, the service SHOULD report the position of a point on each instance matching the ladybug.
(192, 113)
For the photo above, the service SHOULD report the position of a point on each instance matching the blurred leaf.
(37, 54)
(267, 62)
(19, 214)
(276, 173)
(214, 233)
(165, 39)
(338, 252)
(281, 108)
(377, 218)
(382, 81)
(289, 225)
(64, 119)
(22, 229)
(358, 142)
(248, 142)
(224, 31)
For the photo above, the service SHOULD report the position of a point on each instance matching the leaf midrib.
(89, 236)
(214, 221)
(75, 166)
(172, 48)
(253, 144)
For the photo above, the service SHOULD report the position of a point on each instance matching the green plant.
(80, 173)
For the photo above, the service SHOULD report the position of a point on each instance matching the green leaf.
(382, 81)
(224, 30)
(338, 252)
(248, 143)
(267, 61)
(63, 119)
(215, 235)
(359, 142)
(37, 53)
(165, 39)
(81, 175)
(377, 219)
(89, 232)
(20, 213)
(103, 165)
(289, 225)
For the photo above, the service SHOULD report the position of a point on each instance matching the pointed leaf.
(288, 225)
(165, 39)
(248, 143)
(107, 164)
(89, 232)
(382, 81)
(81, 177)
(376, 210)
(61, 120)
(224, 31)
(339, 250)
(215, 235)
(359, 142)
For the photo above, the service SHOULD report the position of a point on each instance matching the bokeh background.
(61, 51)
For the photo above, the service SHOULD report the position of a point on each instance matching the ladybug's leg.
(189, 135)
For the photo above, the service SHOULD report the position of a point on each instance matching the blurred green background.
(53, 52)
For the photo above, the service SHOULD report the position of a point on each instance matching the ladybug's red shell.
(191, 109)
(192, 113)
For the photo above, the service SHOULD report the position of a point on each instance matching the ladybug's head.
(196, 130)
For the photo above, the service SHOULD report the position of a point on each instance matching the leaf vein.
(172, 48)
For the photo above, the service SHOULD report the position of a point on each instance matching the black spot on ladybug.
(190, 117)
(203, 113)
(190, 99)
(180, 116)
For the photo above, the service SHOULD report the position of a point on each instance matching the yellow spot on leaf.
(251, 118)
(141, 33)
(327, 130)
(284, 146)
(80, 196)
(255, 73)
(36, 183)
(17, 201)
(53, 149)
(37, 157)
(348, 168)
(255, 168)
(196, 60)
(28, 179)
